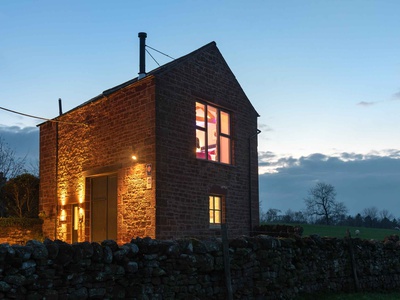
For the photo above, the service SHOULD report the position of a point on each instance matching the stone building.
(171, 153)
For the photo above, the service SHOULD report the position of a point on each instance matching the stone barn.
(169, 154)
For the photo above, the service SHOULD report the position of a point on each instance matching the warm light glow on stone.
(81, 214)
(81, 192)
(63, 215)
(63, 197)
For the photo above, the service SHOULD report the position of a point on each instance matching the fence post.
(353, 262)
(227, 266)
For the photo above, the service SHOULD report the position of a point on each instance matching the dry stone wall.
(16, 234)
(262, 267)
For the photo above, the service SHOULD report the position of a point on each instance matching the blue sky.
(323, 75)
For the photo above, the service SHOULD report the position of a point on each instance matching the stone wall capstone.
(262, 267)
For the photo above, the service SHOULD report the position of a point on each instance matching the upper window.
(213, 133)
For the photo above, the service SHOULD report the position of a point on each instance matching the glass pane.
(212, 133)
(200, 115)
(217, 216)
(201, 144)
(211, 216)
(217, 203)
(225, 150)
(211, 199)
(225, 123)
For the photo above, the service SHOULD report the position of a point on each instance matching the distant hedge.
(278, 230)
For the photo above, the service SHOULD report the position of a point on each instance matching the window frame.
(214, 210)
(219, 134)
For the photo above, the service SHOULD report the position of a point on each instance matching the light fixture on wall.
(134, 154)
(63, 215)
(79, 215)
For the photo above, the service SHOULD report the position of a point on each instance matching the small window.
(215, 209)
(213, 133)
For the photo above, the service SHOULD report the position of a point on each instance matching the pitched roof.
(160, 69)
(156, 71)
(136, 79)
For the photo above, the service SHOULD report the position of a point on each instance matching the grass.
(353, 296)
(340, 231)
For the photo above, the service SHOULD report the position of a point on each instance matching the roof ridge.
(159, 69)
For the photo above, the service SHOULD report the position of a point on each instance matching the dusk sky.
(323, 75)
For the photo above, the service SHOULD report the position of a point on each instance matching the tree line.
(19, 189)
(321, 207)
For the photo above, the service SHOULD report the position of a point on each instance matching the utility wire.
(152, 57)
(40, 118)
(159, 52)
(78, 123)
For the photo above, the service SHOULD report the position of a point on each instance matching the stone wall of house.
(184, 182)
(97, 139)
(155, 117)
(261, 267)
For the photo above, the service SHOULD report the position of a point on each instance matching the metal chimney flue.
(142, 54)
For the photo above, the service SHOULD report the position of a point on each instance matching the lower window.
(215, 209)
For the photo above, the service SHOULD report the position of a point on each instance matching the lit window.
(213, 133)
(215, 209)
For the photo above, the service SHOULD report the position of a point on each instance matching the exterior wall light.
(63, 215)
(134, 153)
(79, 215)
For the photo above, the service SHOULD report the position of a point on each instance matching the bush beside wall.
(262, 267)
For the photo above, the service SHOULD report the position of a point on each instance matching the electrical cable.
(41, 118)
(152, 57)
(160, 52)
(78, 123)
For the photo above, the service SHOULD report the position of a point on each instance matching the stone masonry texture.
(262, 267)
(154, 117)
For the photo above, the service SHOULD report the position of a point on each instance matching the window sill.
(215, 162)
(215, 226)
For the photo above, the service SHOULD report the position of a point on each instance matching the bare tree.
(3, 207)
(372, 212)
(291, 216)
(322, 204)
(385, 214)
(22, 196)
(271, 215)
(10, 165)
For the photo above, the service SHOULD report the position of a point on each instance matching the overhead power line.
(152, 57)
(41, 118)
(78, 123)
(158, 52)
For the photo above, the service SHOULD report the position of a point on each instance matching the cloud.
(366, 104)
(264, 128)
(396, 96)
(24, 141)
(360, 180)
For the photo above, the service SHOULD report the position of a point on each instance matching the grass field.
(340, 231)
(354, 296)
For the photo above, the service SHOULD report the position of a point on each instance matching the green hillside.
(340, 231)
